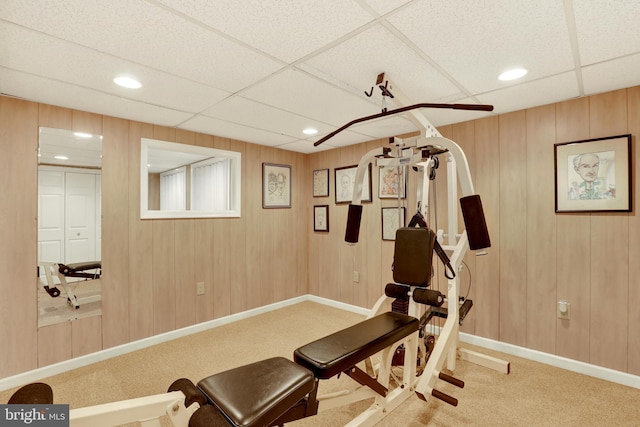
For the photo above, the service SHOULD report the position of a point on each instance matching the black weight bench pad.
(79, 267)
(259, 393)
(340, 351)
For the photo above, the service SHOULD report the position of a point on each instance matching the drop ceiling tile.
(385, 127)
(608, 31)
(298, 92)
(211, 126)
(74, 64)
(621, 72)
(47, 91)
(251, 113)
(475, 41)
(385, 6)
(540, 92)
(305, 146)
(342, 139)
(149, 35)
(359, 60)
(286, 29)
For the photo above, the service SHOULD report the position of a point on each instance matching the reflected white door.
(51, 215)
(80, 217)
(98, 239)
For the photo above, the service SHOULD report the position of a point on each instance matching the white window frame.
(148, 145)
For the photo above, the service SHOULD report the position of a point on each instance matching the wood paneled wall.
(150, 267)
(537, 257)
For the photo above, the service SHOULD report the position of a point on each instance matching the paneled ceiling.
(263, 70)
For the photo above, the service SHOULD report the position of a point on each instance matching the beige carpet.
(533, 394)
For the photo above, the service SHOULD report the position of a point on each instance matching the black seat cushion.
(340, 351)
(259, 393)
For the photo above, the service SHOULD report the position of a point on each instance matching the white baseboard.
(525, 353)
(78, 362)
(338, 304)
(537, 356)
(553, 360)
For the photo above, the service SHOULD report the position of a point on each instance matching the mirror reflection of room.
(69, 225)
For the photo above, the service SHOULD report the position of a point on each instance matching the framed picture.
(321, 218)
(593, 175)
(321, 183)
(392, 182)
(276, 186)
(392, 219)
(344, 181)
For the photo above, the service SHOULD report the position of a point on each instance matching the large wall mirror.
(69, 225)
(188, 181)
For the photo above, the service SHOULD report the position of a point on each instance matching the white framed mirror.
(188, 181)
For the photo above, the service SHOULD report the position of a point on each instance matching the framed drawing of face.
(321, 183)
(345, 181)
(392, 182)
(321, 218)
(392, 219)
(593, 175)
(276, 186)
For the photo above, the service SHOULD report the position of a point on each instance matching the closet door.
(80, 217)
(98, 217)
(51, 222)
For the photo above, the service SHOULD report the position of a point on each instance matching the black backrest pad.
(413, 256)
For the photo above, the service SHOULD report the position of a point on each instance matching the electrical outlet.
(200, 288)
(356, 276)
(564, 310)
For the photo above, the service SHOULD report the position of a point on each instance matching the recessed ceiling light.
(516, 73)
(310, 131)
(61, 157)
(128, 82)
(82, 135)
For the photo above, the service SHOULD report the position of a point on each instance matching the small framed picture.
(392, 182)
(321, 183)
(593, 175)
(276, 186)
(392, 219)
(321, 218)
(344, 181)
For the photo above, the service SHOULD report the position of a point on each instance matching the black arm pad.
(474, 222)
(353, 223)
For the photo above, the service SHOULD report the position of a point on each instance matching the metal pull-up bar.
(475, 107)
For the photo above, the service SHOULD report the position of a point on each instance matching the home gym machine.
(422, 153)
(82, 270)
(276, 391)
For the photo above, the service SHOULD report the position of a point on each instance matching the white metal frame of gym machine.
(409, 153)
(148, 410)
